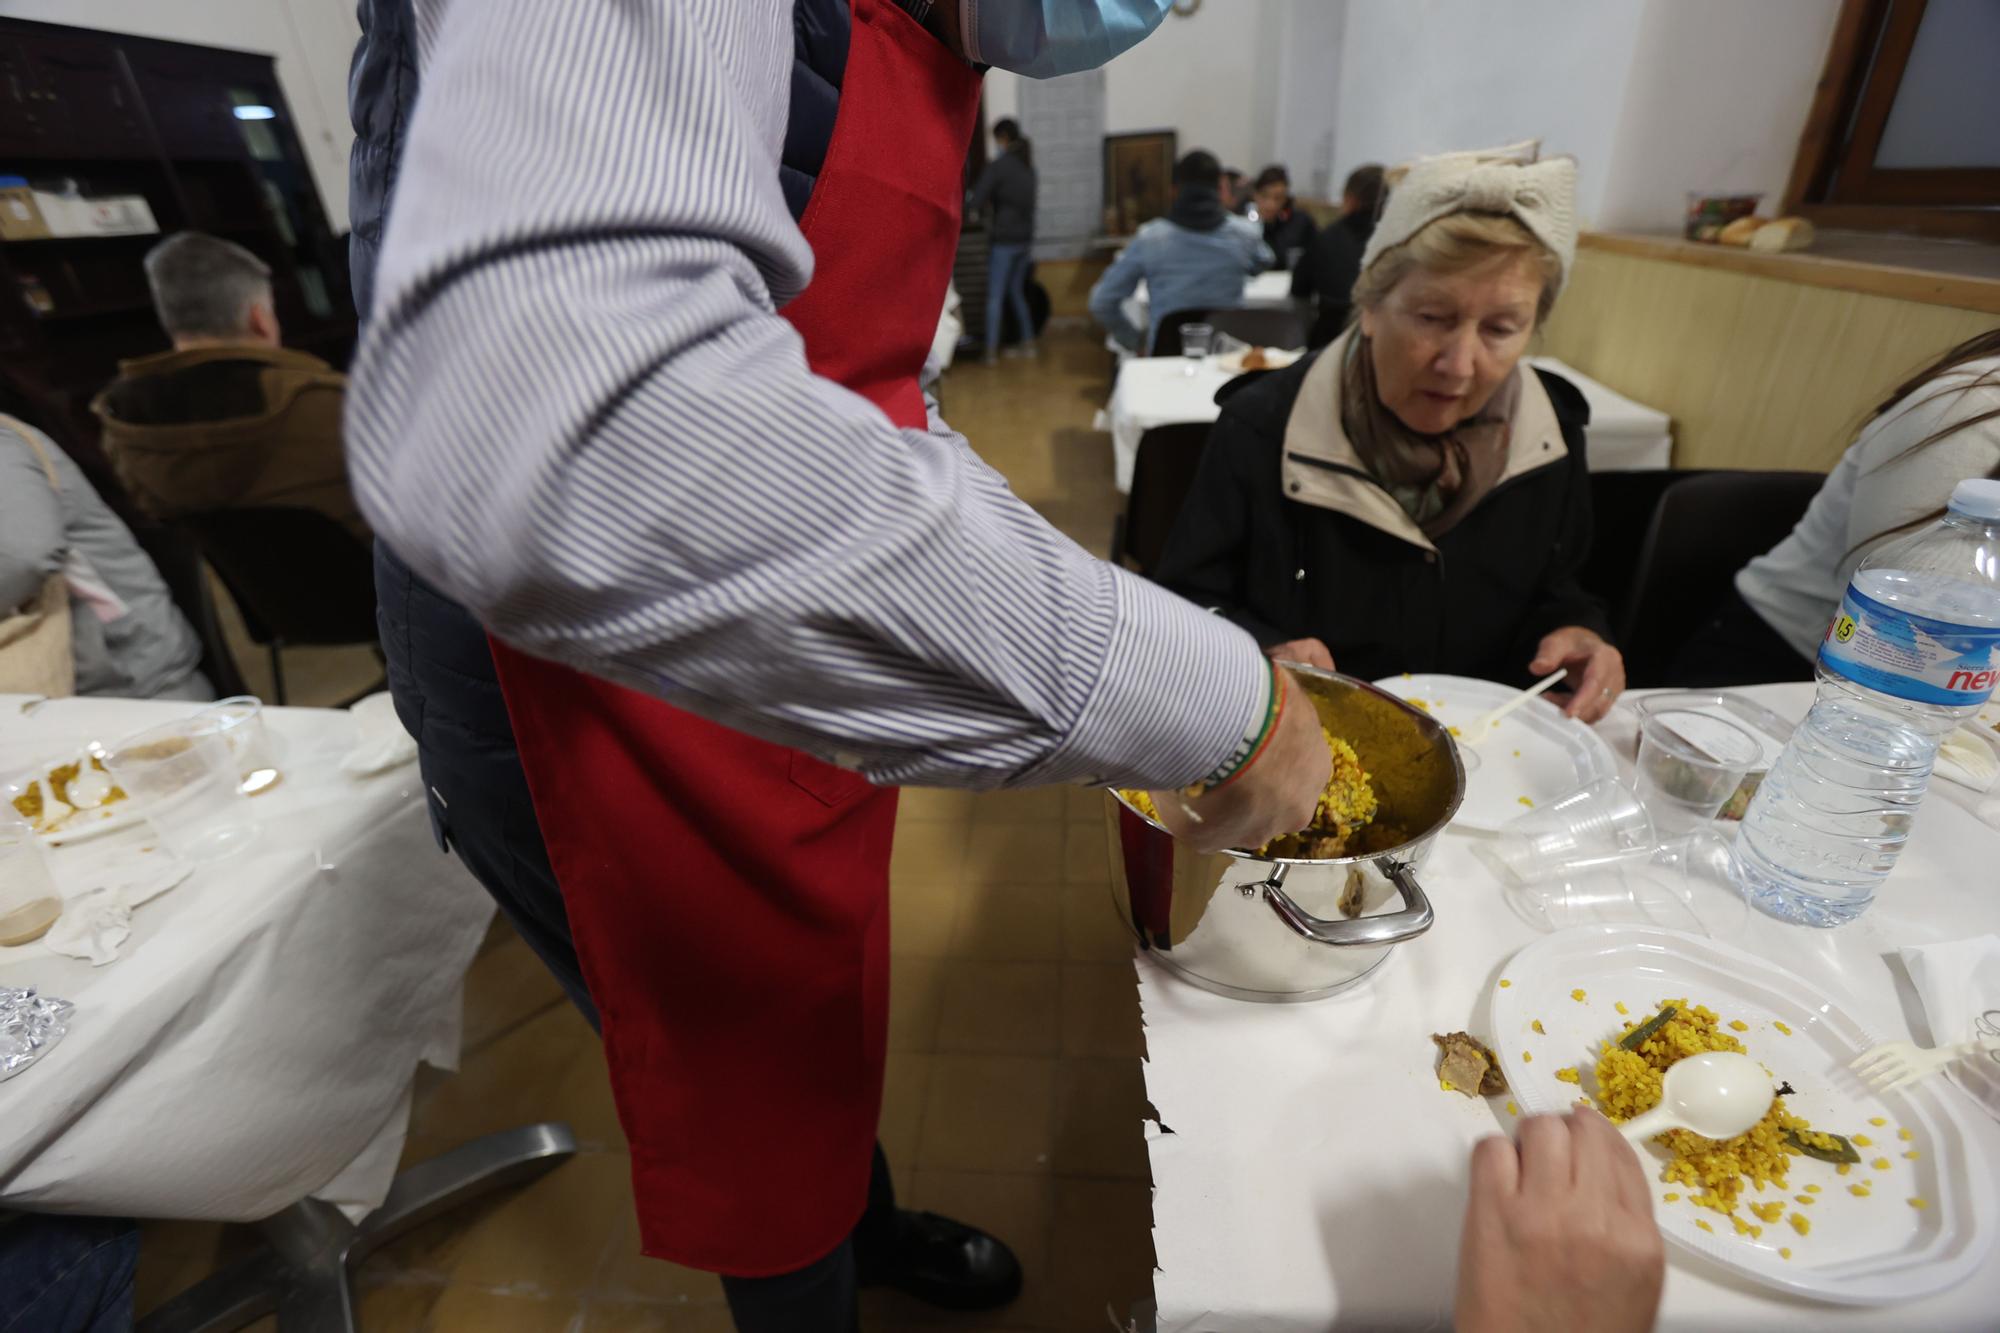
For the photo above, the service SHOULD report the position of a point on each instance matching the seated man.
(228, 419)
(1288, 229)
(1327, 272)
(1194, 258)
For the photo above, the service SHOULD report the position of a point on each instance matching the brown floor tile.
(1015, 853)
(1001, 1009)
(469, 1310)
(1010, 921)
(549, 1238)
(618, 1317)
(629, 1277)
(906, 1084)
(1032, 804)
(548, 1068)
(1093, 931)
(919, 805)
(1103, 1248)
(1101, 1110)
(395, 1307)
(929, 852)
(1100, 1011)
(921, 911)
(1084, 805)
(173, 1256)
(916, 998)
(505, 986)
(1086, 855)
(989, 1113)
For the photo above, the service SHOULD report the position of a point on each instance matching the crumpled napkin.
(1958, 981)
(1967, 759)
(92, 927)
(30, 1024)
(382, 743)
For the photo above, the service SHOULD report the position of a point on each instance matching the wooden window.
(1904, 132)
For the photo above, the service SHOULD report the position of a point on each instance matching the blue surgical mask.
(1044, 38)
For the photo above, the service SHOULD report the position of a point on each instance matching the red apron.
(729, 897)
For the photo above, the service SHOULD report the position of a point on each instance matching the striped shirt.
(577, 410)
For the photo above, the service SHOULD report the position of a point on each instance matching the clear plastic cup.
(30, 902)
(1683, 884)
(1690, 764)
(1195, 339)
(240, 718)
(1598, 822)
(182, 776)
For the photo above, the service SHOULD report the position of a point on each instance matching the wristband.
(1253, 744)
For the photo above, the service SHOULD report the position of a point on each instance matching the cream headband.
(1541, 195)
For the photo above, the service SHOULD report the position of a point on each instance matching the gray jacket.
(1007, 188)
(149, 651)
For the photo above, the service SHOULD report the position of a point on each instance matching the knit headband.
(1540, 195)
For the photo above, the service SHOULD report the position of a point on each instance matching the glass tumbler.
(1195, 340)
(184, 778)
(1689, 765)
(29, 901)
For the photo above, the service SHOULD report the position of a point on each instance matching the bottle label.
(1911, 657)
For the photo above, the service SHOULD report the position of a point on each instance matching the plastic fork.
(1896, 1064)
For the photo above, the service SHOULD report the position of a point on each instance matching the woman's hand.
(1596, 670)
(1306, 652)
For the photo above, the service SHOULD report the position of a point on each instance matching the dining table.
(1622, 436)
(1310, 1174)
(255, 1040)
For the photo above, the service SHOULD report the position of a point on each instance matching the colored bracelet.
(1252, 746)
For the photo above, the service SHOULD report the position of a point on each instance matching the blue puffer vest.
(382, 91)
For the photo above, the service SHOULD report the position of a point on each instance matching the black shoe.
(944, 1263)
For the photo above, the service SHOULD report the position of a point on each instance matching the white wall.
(1716, 101)
(312, 40)
(1309, 35)
(1211, 78)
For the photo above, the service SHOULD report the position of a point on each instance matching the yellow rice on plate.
(1715, 1170)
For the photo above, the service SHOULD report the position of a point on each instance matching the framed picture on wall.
(1138, 179)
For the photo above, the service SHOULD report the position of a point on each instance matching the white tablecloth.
(256, 1040)
(1315, 1175)
(1623, 436)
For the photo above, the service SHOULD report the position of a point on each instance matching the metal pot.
(1274, 928)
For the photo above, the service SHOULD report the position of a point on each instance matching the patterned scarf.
(1437, 479)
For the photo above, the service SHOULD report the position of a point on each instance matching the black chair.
(1704, 529)
(178, 559)
(299, 578)
(1621, 506)
(1162, 476)
(1260, 326)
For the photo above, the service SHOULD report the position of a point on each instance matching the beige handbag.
(35, 656)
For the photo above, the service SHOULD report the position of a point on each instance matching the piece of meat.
(1468, 1065)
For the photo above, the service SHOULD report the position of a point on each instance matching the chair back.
(178, 559)
(1261, 326)
(298, 577)
(1704, 528)
(1162, 475)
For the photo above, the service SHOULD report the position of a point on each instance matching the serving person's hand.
(1275, 795)
(1596, 670)
(1309, 652)
(1559, 1233)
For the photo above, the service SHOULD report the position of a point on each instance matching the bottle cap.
(1979, 497)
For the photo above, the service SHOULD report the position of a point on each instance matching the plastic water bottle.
(1914, 650)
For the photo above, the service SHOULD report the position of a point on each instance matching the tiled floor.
(1014, 1097)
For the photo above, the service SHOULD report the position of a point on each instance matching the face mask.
(1044, 38)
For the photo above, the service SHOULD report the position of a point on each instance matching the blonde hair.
(1453, 244)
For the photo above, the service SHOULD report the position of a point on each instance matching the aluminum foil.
(30, 1023)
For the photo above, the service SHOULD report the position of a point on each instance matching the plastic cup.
(240, 718)
(30, 902)
(1195, 339)
(1690, 764)
(184, 778)
(1683, 884)
(1600, 822)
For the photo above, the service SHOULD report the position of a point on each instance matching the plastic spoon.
(1484, 727)
(1718, 1095)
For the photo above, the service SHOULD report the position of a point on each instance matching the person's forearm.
(578, 413)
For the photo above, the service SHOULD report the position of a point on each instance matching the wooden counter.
(1768, 361)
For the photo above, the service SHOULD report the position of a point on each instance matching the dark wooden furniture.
(206, 137)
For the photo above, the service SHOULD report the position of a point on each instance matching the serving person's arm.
(577, 411)
(1107, 297)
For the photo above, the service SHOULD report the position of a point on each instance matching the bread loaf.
(1781, 235)
(1740, 231)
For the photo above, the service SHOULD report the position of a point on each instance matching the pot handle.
(1415, 918)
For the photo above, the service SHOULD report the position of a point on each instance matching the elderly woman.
(1412, 498)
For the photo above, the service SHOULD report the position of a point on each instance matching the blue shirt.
(1183, 269)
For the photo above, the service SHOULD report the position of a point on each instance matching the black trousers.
(447, 693)
(1735, 646)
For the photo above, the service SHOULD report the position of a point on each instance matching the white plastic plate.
(1535, 752)
(1876, 1250)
